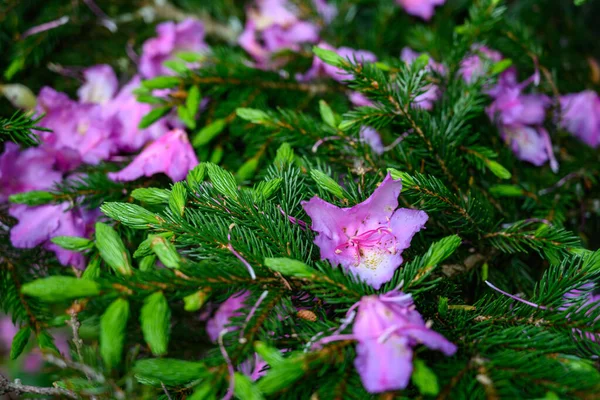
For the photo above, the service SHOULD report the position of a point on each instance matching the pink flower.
(321, 69)
(581, 116)
(253, 367)
(588, 292)
(125, 113)
(187, 35)
(432, 92)
(372, 138)
(512, 107)
(420, 8)
(37, 225)
(272, 26)
(530, 144)
(172, 154)
(472, 67)
(32, 361)
(366, 239)
(359, 99)
(223, 315)
(327, 11)
(387, 327)
(22, 171)
(519, 117)
(75, 127)
(100, 85)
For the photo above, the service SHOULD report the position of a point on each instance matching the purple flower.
(432, 92)
(387, 327)
(7, 332)
(37, 225)
(366, 239)
(122, 111)
(223, 315)
(519, 118)
(273, 26)
(76, 127)
(126, 113)
(581, 116)
(530, 144)
(187, 35)
(420, 8)
(253, 367)
(587, 292)
(22, 171)
(32, 362)
(472, 67)
(321, 69)
(100, 85)
(172, 154)
(512, 107)
(372, 138)
(359, 99)
(327, 11)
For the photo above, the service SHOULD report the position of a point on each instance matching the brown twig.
(17, 387)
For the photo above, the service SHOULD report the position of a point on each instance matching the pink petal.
(100, 85)
(384, 366)
(405, 224)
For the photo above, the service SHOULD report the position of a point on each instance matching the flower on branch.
(581, 116)
(172, 155)
(367, 239)
(187, 35)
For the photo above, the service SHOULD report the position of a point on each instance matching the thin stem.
(17, 387)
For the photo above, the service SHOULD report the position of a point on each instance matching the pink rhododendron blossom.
(272, 26)
(254, 366)
(227, 310)
(359, 99)
(75, 126)
(472, 67)
(320, 69)
(590, 295)
(37, 225)
(102, 123)
(530, 144)
(420, 8)
(31, 362)
(581, 116)
(22, 171)
(431, 91)
(125, 113)
(172, 38)
(372, 138)
(172, 154)
(327, 11)
(512, 107)
(387, 327)
(100, 85)
(367, 239)
(519, 117)
(122, 111)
